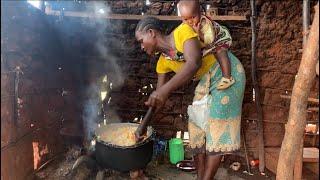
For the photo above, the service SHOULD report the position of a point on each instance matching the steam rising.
(91, 110)
(93, 105)
(92, 31)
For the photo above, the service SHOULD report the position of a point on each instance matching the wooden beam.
(313, 109)
(313, 100)
(134, 17)
(311, 154)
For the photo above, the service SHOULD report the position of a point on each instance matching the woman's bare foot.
(138, 175)
(142, 175)
(134, 174)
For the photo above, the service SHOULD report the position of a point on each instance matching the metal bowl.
(186, 165)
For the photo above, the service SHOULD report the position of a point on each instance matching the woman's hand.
(139, 135)
(158, 98)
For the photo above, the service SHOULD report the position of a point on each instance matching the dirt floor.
(61, 168)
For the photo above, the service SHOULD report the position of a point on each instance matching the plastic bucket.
(176, 150)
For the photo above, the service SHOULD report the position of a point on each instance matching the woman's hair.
(149, 23)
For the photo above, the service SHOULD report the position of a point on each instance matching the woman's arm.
(153, 98)
(162, 79)
(192, 55)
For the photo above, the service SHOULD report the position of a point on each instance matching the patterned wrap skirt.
(221, 132)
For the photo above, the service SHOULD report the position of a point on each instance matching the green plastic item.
(176, 150)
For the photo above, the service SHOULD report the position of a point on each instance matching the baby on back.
(215, 38)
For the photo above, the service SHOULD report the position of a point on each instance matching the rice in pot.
(120, 136)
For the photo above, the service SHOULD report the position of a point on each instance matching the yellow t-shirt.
(181, 34)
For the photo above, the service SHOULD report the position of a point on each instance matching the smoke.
(91, 110)
(110, 69)
(102, 26)
(117, 76)
(91, 32)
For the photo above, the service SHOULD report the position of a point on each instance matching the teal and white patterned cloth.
(221, 132)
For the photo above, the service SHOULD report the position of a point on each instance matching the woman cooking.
(219, 133)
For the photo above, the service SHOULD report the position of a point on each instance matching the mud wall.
(39, 101)
(279, 50)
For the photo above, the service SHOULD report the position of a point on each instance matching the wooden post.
(256, 88)
(298, 106)
(298, 164)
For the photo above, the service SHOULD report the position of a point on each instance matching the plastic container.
(176, 150)
(254, 163)
(159, 150)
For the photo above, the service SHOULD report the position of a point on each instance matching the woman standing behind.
(218, 134)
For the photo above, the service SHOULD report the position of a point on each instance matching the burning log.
(83, 168)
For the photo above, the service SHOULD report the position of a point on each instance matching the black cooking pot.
(123, 158)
